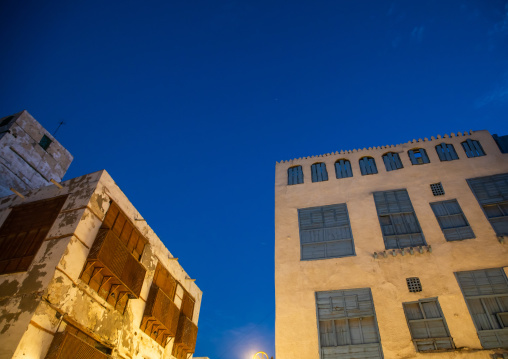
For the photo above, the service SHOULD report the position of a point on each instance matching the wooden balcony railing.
(186, 334)
(67, 346)
(161, 316)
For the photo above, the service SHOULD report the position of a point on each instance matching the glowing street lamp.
(260, 355)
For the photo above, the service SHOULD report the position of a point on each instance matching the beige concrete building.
(30, 157)
(82, 275)
(394, 251)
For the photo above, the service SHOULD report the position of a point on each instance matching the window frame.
(343, 166)
(448, 152)
(392, 161)
(295, 175)
(426, 322)
(448, 215)
(323, 228)
(319, 172)
(415, 160)
(368, 166)
(472, 148)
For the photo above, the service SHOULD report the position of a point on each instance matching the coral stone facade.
(394, 252)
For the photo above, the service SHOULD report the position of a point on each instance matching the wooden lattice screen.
(23, 232)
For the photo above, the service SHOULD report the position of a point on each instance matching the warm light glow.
(260, 355)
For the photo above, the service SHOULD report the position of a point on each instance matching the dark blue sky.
(188, 104)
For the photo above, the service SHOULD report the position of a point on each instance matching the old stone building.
(394, 251)
(82, 275)
(30, 157)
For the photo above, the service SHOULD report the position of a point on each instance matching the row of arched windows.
(418, 156)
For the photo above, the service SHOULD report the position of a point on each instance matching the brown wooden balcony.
(186, 334)
(68, 346)
(112, 270)
(161, 316)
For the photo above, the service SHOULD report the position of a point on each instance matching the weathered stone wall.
(297, 281)
(24, 164)
(28, 329)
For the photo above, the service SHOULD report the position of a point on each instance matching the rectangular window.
(343, 169)
(23, 232)
(45, 142)
(347, 325)
(113, 267)
(427, 325)
(319, 173)
(486, 294)
(418, 156)
(492, 194)
(392, 161)
(295, 175)
(397, 217)
(325, 232)
(161, 316)
(452, 221)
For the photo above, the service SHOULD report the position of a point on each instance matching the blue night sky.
(188, 104)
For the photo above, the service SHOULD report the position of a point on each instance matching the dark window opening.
(437, 189)
(6, 120)
(45, 142)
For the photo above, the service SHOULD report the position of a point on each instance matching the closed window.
(325, 232)
(397, 217)
(446, 152)
(113, 267)
(452, 221)
(343, 169)
(392, 161)
(23, 232)
(367, 166)
(45, 142)
(295, 175)
(319, 173)
(348, 325)
(74, 343)
(486, 294)
(473, 148)
(161, 315)
(492, 194)
(427, 325)
(418, 156)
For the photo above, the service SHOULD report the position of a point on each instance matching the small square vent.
(437, 189)
(413, 284)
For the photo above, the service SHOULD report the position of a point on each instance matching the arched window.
(343, 169)
(418, 156)
(368, 166)
(473, 148)
(319, 173)
(295, 175)
(392, 161)
(446, 152)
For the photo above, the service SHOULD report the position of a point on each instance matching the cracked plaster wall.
(63, 291)
(297, 281)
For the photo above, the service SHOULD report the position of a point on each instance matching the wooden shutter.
(68, 346)
(452, 220)
(486, 294)
(319, 172)
(368, 166)
(295, 175)
(446, 152)
(186, 334)
(427, 325)
(347, 324)
(392, 161)
(492, 194)
(343, 169)
(23, 232)
(325, 232)
(398, 221)
(187, 305)
(473, 148)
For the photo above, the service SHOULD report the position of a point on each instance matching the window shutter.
(363, 167)
(412, 157)
(68, 346)
(425, 158)
(325, 232)
(452, 153)
(347, 325)
(295, 175)
(452, 221)
(319, 172)
(486, 294)
(343, 169)
(372, 166)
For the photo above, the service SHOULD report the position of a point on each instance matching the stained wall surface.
(36, 304)
(297, 281)
(24, 164)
